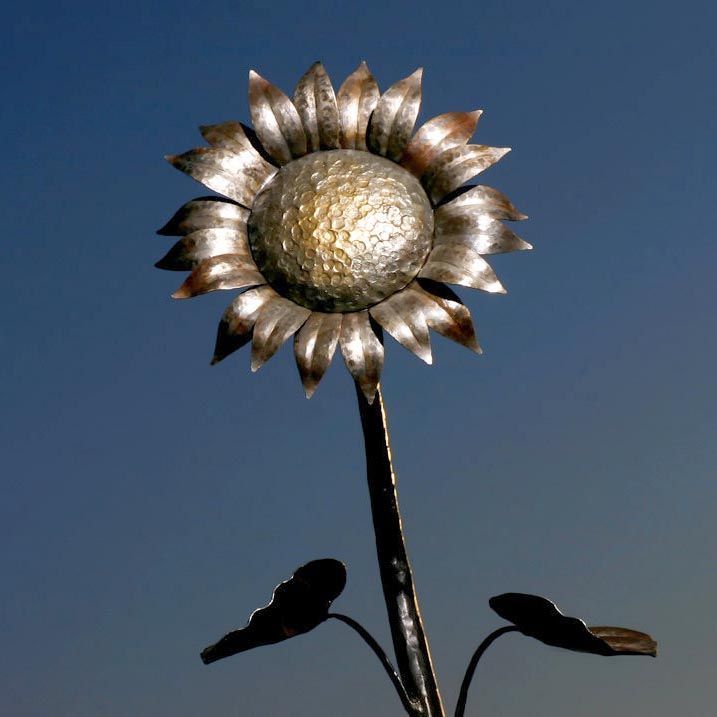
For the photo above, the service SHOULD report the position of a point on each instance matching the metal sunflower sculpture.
(337, 223)
(341, 222)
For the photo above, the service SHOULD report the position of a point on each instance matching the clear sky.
(150, 502)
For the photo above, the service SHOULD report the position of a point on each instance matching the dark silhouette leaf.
(539, 618)
(298, 605)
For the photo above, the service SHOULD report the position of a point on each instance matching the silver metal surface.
(479, 197)
(227, 271)
(445, 314)
(401, 315)
(276, 120)
(278, 319)
(205, 213)
(457, 264)
(436, 136)
(202, 244)
(478, 231)
(237, 176)
(457, 165)
(235, 327)
(316, 104)
(314, 347)
(391, 123)
(341, 230)
(357, 99)
(362, 350)
(338, 232)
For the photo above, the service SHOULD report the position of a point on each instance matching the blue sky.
(151, 502)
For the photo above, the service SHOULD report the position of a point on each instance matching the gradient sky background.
(151, 502)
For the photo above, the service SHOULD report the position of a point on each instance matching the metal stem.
(368, 638)
(470, 670)
(413, 657)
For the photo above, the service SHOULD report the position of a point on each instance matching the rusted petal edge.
(226, 271)
(436, 136)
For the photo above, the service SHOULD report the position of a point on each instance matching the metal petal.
(457, 165)
(230, 135)
(392, 121)
(298, 605)
(275, 119)
(194, 248)
(356, 100)
(457, 264)
(205, 213)
(226, 271)
(315, 102)
(436, 136)
(402, 316)
(476, 230)
(237, 176)
(489, 200)
(314, 348)
(446, 314)
(278, 319)
(362, 350)
(236, 325)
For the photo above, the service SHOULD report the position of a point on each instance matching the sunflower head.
(337, 222)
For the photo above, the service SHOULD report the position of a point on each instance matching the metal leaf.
(356, 99)
(436, 136)
(237, 323)
(362, 350)
(315, 102)
(456, 264)
(476, 230)
(457, 165)
(314, 347)
(402, 316)
(278, 319)
(202, 244)
(541, 619)
(276, 120)
(237, 176)
(489, 200)
(392, 121)
(226, 271)
(446, 314)
(297, 606)
(205, 213)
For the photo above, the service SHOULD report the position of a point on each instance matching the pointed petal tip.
(171, 158)
(309, 391)
(418, 72)
(182, 292)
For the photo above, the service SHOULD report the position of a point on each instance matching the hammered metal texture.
(341, 230)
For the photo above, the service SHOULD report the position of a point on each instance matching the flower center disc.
(340, 230)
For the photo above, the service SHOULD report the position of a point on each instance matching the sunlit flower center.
(341, 230)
